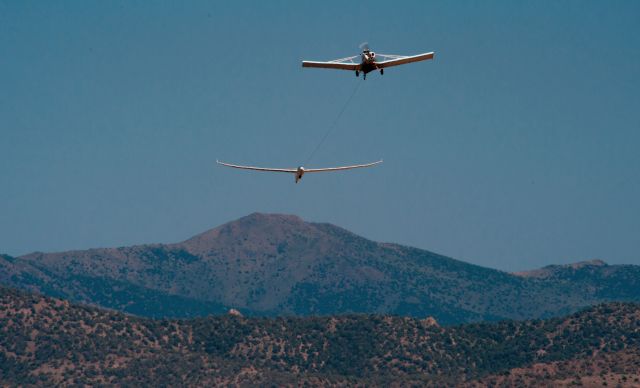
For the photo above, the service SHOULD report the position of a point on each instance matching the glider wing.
(342, 168)
(291, 170)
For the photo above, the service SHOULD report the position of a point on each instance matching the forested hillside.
(45, 341)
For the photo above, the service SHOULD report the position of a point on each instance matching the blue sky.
(515, 148)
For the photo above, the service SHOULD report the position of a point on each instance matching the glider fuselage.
(299, 173)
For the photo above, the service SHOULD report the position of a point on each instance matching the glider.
(369, 61)
(300, 171)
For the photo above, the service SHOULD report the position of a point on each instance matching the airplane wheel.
(357, 74)
(364, 76)
(381, 71)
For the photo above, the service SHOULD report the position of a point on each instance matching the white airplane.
(300, 171)
(368, 61)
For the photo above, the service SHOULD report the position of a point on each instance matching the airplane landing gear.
(381, 71)
(364, 76)
(357, 73)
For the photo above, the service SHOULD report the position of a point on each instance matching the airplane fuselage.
(368, 63)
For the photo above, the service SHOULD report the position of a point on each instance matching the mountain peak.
(261, 217)
(254, 228)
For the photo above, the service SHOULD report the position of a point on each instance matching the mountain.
(45, 341)
(268, 264)
(604, 282)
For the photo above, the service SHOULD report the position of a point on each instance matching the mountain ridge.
(549, 270)
(272, 264)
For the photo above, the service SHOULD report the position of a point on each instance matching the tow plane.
(300, 171)
(369, 61)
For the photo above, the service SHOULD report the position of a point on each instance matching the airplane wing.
(291, 170)
(342, 168)
(341, 64)
(395, 60)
